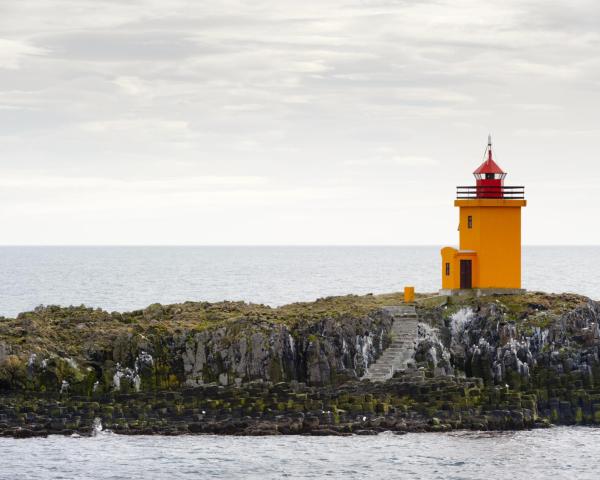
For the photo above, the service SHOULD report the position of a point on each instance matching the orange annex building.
(488, 259)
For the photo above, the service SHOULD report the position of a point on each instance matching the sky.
(286, 122)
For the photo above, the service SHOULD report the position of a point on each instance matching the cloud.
(131, 85)
(117, 46)
(14, 52)
(413, 160)
(146, 126)
(175, 184)
(339, 99)
(591, 133)
(391, 156)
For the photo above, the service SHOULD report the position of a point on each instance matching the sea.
(569, 453)
(127, 278)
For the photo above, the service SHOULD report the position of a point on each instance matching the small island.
(491, 362)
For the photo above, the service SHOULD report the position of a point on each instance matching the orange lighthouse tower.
(488, 259)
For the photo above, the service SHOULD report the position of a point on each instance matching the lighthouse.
(488, 259)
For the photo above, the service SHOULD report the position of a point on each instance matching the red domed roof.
(489, 166)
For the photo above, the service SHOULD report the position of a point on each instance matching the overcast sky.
(288, 122)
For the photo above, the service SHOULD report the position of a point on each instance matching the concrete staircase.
(402, 349)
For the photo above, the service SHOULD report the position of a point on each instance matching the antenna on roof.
(489, 140)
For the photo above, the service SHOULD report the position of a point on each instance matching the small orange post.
(409, 294)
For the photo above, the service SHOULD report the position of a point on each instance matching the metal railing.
(507, 193)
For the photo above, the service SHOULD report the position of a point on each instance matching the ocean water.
(126, 278)
(557, 453)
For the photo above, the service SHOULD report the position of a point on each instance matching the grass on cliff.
(70, 331)
(527, 310)
(67, 331)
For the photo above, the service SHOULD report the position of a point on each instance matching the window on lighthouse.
(469, 221)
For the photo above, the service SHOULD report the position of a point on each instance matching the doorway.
(466, 276)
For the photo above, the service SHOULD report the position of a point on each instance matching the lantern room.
(489, 177)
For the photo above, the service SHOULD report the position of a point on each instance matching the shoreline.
(408, 403)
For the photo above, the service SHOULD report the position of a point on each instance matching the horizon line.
(215, 245)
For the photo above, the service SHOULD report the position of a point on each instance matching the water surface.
(558, 453)
(126, 278)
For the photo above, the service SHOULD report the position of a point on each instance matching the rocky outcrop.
(330, 351)
(489, 362)
(69, 349)
(4, 351)
(499, 339)
(409, 403)
(491, 340)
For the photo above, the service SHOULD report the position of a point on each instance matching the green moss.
(368, 407)
(13, 372)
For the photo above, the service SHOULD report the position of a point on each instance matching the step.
(404, 335)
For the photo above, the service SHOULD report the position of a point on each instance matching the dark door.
(465, 274)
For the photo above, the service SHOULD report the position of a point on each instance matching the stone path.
(403, 346)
